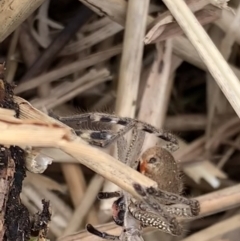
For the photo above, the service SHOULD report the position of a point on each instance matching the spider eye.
(152, 160)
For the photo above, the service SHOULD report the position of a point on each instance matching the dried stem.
(77, 187)
(216, 231)
(85, 206)
(129, 75)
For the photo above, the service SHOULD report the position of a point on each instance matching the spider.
(159, 207)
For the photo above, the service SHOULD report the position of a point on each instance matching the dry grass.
(179, 69)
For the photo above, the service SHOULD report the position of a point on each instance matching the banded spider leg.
(103, 138)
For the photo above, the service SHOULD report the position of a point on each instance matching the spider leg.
(166, 224)
(128, 124)
(134, 149)
(98, 138)
(108, 195)
(152, 196)
(121, 148)
(178, 211)
(174, 210)
(171, 147)
(155, 207)
(100, 234)
(125, 121)
(103, 138)
(73, 119)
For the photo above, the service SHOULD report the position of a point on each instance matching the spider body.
(159, 165)
(158, 207)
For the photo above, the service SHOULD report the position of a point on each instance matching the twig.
(169, 30)
(77, 186)
(229, 128)
(85, 205)
(131, 57)
(216, 231)
(225, 21)
(188, 122)
(65, 92)
(228, 153)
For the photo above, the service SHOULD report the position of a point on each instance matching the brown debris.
(15, 216)
(40, 222)
(15, 220)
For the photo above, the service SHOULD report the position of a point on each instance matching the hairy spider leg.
(149, 194)
(104, 138)
(174, 209)
(165, 222)
(100, 234)
(108, 195)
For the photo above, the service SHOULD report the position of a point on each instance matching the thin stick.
(85, 205)
(216, 231)
(77, 185)
(28, 47)
(169, 30)
(130, 67)
(228, 153)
